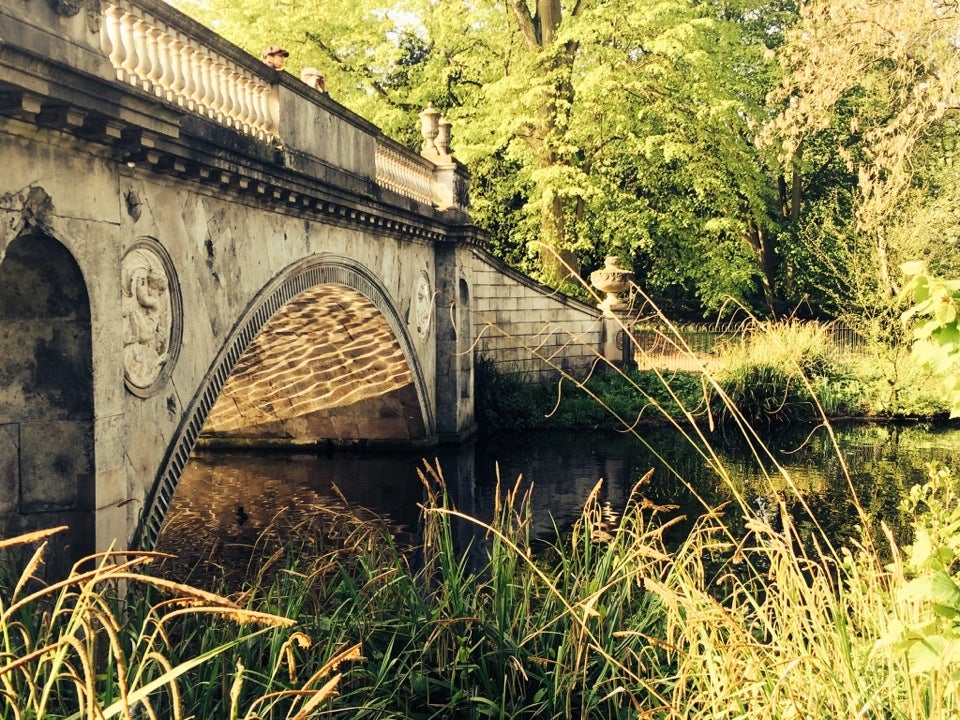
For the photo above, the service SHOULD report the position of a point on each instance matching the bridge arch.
(294, 281)
(47, 474)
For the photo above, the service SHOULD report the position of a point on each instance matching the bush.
(607, 398)
(778, 372)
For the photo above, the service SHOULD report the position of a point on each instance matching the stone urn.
(612, 280)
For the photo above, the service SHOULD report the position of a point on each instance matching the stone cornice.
(74, 91)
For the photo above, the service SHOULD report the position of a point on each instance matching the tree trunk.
(557, 261)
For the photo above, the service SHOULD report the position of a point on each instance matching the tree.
(593, 127)
(877, 81)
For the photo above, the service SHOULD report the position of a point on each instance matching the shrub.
(774, 372)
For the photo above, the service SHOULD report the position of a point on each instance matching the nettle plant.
(927, 625)
(931, 635)
(936, 335)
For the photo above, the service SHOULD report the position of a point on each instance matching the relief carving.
(66, 8)
(149, 318)
(422, 305)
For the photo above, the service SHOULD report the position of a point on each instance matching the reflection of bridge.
(190, 240)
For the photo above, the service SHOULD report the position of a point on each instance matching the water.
(226, 500)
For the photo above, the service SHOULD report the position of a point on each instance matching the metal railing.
(695, 347)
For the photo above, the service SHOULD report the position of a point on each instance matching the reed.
(93, 646)
(606, 622)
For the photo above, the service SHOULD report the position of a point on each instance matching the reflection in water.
(230, 508)
(226, 500)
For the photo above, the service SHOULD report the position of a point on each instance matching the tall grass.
(92, 645)
(609, 622)
(781, 371)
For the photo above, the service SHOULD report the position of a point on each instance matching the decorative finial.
(429, 128)
(443, 136)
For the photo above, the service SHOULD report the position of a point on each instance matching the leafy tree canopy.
(873, 85)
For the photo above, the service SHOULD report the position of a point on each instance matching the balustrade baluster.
(231, 86)
(177, 80)
(239, 85)
(110, 35)
(244, 100)
(273, 105)
(189, 73)
(263, 110)
(215, 97)
(220, 99)
(222, 76)
(142, 68)
(168, 56)
(196, 72)
(206, 84)
(153, 50)
(127, 21)
(260, 90)
(155, 36)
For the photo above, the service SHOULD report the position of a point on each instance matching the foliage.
(786, 155)
(927, 626)
(936, 333)
(779, 633)
(873, 85)
(595, 128)
(607, 398)
(506, 401)
(782, 371)
(73, 648)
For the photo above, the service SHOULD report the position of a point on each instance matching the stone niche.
(46, 397)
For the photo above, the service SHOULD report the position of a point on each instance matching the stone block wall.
(525, 328)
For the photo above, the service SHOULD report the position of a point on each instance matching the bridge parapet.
(443, 184)
(404, 173)
(144, 78)
(152, 53)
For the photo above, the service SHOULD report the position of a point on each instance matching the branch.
(526, 24)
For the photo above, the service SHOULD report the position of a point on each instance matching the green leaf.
(936, 587)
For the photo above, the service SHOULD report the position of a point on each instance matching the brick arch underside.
(326, 368)
(277, 375)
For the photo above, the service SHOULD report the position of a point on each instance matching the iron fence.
(697, 347)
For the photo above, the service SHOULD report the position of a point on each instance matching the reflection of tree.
(146, 317)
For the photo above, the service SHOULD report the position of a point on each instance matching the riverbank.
(788, 373)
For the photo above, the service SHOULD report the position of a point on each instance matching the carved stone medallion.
(422, 305)
(151, 306)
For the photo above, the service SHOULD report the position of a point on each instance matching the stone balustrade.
(404, 173)
(161, 52)
(151, 54)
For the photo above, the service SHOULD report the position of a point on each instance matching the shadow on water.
(226, 502)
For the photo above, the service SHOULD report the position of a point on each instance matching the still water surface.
(228, 497)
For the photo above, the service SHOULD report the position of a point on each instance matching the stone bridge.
(191, 241)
